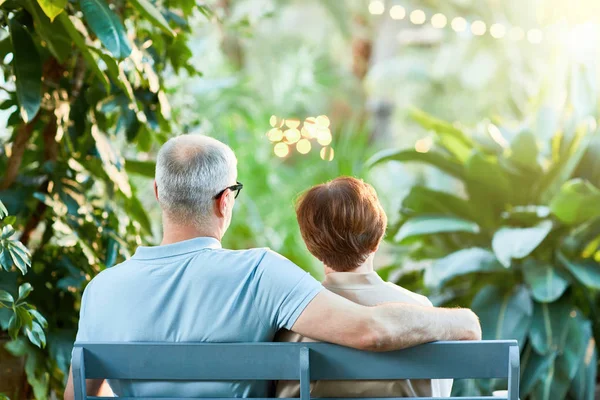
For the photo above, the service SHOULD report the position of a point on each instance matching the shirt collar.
(352, 280)
(176, 249)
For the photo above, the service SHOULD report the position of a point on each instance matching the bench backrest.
(293, 361)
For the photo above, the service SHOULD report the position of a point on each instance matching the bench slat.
(275, 361)
(295, 398)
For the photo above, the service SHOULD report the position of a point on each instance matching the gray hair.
(190, 171)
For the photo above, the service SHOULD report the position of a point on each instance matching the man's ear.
(222, 203)
(155, 190)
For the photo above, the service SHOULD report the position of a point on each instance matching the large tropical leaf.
(58, 40)
(432, 157)
(504, 314)
(79, 41)
(422, 200)
(448, 136)
(566, 161)
(546, 282)
(583, 386)
(28, 71)
(586, 271)
(153, 15)
(486, 179)
(533, 368)
(144, 168)
(434, 224)
(523, 151)
(52, 7)
(459, 263)
(511, 243)
(559, 329)
(107, 26)
(576, 202)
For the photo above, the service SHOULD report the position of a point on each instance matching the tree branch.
(18, 149)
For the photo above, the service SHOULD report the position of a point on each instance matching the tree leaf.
(562, 169)
(546, 282)
(433, 224)
(6, 297)
(534, 367)
(144, 168)
(153, 15)
(14, 326)
(26, 319)
(504, 315)
(5, 259)
(511, 243)
(7, 232)
(447, 135)
(523, 151)
(431, 157)
(459, 263)
(3, 210)
(58, 40)
(24, 291)
(484, 175)
(422, 200)
(83, 48)
(28, 71)
(586, 271)
(39, 318)
(559, 328)
(107, 26)
(36, 335)
(52, 7)
(576, 202)
(21, 263)
(583, 386)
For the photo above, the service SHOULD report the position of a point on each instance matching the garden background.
(476, 121)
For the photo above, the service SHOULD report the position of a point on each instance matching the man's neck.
(365, 267)
(173, 232)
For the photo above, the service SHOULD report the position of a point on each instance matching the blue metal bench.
(293, 361)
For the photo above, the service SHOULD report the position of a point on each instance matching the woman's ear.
(155, 190)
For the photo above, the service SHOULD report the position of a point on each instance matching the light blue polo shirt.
(194, 291)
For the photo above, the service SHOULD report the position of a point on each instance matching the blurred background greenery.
(475, 120)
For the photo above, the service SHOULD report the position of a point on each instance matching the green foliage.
(88, 81)
(521, 245)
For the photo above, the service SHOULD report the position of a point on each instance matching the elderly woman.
(342, 224)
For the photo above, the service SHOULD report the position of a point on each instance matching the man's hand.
(93, 386)
(389, 326)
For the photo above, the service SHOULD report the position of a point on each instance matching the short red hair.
(342, 222)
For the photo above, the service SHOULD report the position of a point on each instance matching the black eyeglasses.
(237, 188)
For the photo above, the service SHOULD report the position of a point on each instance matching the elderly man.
(190, 289)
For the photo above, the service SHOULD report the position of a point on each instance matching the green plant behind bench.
(520, 245)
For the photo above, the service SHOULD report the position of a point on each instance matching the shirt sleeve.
(282, 291)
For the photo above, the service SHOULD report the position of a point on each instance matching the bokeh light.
(303, 146)
(459, 24)
(424, 145)
(439, 21)
(418, 17)
(292, 123)
(291, 136)
(376, 7)
(498, 31)
(397, 12)
(275, 135)
(281, 150)
(324, 136)
(323, 121)
(327, 154)
(478, 28)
